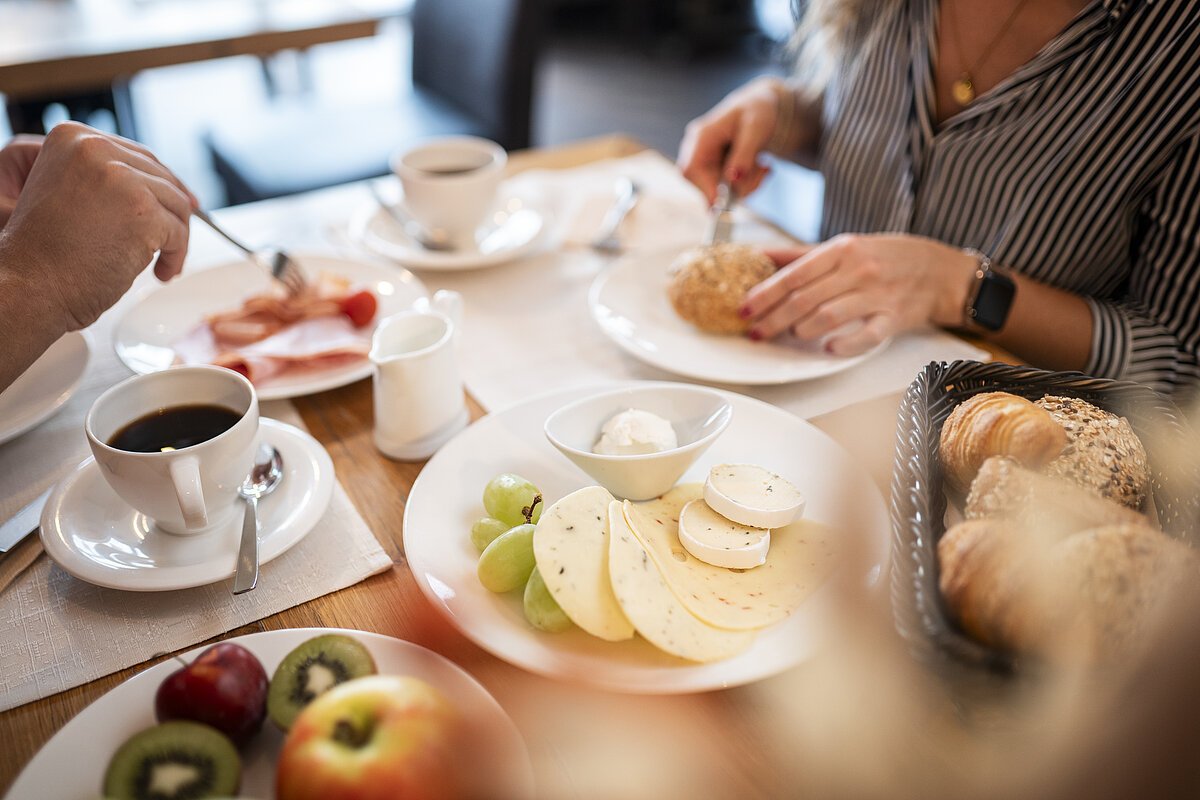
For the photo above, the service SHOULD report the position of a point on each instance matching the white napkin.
(527, 328)
(57, 631)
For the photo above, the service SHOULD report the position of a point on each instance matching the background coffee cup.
(451, 183)
(192, 489)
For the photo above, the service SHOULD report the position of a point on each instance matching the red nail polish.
(744, 312)
(829, 348)
(735, 175)
(755, 335)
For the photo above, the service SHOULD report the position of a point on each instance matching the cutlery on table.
(434, 239)
(23, 523)
(262, 480)
(606, 240)
(282, 267)
(720, 225)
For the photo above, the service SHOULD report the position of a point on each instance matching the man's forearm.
(27, 324)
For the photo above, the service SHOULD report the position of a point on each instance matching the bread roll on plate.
(708, 284)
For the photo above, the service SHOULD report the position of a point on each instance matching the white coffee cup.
(193, 489)
(419, 402)
(450, 183)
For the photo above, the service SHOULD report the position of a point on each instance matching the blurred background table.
(81, 53)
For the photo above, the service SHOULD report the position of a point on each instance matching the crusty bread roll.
(708, 284)
(1084, 597)
(1103, 453)
(996, 424)
(1050, 505)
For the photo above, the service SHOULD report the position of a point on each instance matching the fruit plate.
(445, 501)
(73, 762)
(918, 507)
(629, 303)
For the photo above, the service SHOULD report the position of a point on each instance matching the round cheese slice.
(752, 496)
(718, 541)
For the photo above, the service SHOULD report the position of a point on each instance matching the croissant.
(1050, 505)
(996, 424)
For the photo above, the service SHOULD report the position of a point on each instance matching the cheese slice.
(802, 556)
(715, 540)
(654, 609)
(752, 496)
(571, 549)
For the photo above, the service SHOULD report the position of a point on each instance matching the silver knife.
(23, 523)
(720, 227)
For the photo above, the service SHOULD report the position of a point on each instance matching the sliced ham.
(275, 333)
(309, 344)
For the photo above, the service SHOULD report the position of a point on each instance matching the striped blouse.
(1081, 169)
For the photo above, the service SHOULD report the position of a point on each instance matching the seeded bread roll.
(996, 424)
(708, 285)
(1050, 505)
(1103, 453)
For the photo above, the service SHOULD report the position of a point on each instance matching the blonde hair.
(829, 33)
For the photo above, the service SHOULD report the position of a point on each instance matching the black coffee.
(174, 428)
(462, 169)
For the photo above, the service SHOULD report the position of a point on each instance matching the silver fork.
(282, 267)
(607, 241)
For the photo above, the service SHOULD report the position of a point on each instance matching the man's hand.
(16, 161)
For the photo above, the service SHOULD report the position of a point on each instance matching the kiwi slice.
(312, 668)
(174, 761)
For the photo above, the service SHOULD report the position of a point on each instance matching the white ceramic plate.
(629, 301)
(45, 387)
(446, 499)
(91, 533)
(73, 762)
(144, 337)
(515, 230)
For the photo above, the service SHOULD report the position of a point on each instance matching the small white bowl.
(698, 416)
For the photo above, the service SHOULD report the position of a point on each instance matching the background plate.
(45, 387)
(629, 302)
(445, 500)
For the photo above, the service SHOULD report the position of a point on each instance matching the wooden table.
(79, 49)
(548, 713)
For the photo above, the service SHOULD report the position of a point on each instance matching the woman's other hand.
(725, 143)
(885, 283)
(91, 213)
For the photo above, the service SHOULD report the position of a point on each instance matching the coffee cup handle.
(185, 474)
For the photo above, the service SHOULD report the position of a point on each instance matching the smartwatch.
(992, 298)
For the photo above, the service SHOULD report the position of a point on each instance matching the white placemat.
(57, 631)
(527, 328)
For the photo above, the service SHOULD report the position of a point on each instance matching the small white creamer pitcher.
(419, 401)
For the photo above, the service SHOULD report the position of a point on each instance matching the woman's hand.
(725, 142)
(16, 160)
(886, 283)
(91, 213)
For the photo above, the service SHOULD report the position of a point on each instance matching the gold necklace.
(963, 89)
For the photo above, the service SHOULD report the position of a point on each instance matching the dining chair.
(472, 73)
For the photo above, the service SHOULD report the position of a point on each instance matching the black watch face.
(994, 300)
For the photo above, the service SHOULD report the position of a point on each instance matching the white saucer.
(92, 534)
(45, 387)
(145, 336)
(514, 231)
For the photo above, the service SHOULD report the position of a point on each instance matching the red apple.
(382, 737)
(225, 687)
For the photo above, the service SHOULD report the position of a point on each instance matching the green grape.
(506, 562)
(541, 609)
(507, 495)
(485, 530)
